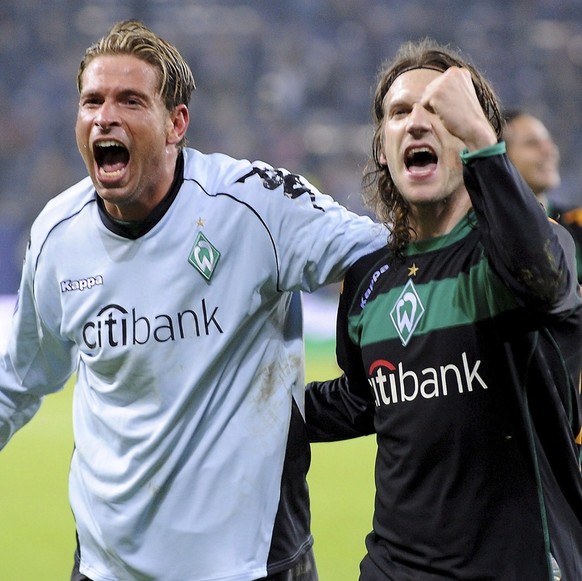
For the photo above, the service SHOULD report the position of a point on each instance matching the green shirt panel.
(475, 295)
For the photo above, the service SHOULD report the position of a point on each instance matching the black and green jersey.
(464, 358)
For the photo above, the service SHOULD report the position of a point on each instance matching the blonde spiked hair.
(131, 37)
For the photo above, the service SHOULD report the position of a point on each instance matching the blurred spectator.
(533, 151)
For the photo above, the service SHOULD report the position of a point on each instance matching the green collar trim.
(462, 229)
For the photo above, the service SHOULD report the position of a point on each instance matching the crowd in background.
(285, 81)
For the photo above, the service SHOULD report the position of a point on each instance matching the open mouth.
(420, 158)
(111, 157)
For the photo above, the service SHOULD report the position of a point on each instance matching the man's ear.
(177, 124)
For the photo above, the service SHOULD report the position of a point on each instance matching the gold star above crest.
(200, 222)
(412, 270)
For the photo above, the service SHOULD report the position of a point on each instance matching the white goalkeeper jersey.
(189, 365)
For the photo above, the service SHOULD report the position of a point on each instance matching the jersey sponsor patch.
(117, 326)
(407, 312)
(393, 383)
(204, 256)
(293, 185)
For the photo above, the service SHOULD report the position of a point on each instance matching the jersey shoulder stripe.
(457, 278)
(59, 209)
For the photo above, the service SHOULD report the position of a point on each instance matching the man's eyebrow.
(124, 93)
(397, 101)
(88, 93)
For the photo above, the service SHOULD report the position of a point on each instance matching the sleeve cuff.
(489, 151)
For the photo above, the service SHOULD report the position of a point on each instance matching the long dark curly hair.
(380, 192)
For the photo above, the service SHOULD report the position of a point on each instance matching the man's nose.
(418, 119)
(107, 116)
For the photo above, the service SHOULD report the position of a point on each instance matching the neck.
(437, 219)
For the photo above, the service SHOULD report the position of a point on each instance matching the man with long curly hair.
(460, 343)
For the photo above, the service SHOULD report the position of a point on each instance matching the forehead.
(119, 70)
(410, 85)
(527, 127)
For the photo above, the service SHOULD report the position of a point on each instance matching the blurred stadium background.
(285, 81)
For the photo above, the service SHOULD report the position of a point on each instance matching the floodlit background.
(285, 81)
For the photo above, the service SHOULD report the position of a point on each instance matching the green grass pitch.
(37, 531)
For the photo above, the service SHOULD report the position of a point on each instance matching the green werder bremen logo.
(204, 257)
(406, 313)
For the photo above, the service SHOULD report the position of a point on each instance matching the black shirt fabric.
(464, 359)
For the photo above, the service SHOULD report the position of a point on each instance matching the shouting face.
(126, 136)
(421, 155)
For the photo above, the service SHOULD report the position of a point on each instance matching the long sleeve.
(534, 256)
(334, 413)
(35, 362)
(315, 239)
(342, 408)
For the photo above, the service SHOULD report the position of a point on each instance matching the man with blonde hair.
(165, 281)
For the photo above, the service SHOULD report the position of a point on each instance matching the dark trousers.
(304, 570)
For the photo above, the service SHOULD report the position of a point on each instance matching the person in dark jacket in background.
(533, 151)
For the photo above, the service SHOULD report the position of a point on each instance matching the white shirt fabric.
(185, 373)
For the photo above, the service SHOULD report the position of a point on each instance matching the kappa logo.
(204, 256)
(407, 312)
(81, 284)
(293, 185)
(373, 279)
